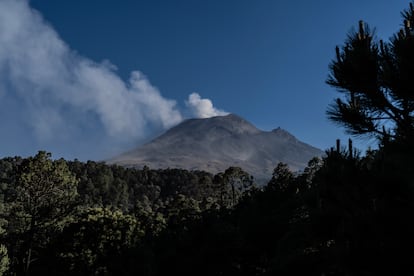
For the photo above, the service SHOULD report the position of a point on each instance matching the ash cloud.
(54, 95)
(52, 98)
(203, 108)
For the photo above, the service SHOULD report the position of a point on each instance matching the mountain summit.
(216, 143)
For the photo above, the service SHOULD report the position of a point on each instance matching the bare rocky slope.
(216, 143)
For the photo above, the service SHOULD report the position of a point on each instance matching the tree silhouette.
(282, 178)
(376, 79)
(231, 185)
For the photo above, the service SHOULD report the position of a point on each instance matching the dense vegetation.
(345, 214)
(64, 217)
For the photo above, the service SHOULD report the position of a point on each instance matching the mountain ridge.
(216, 143)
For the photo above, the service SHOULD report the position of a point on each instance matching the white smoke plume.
(49, 90)
(203, 108)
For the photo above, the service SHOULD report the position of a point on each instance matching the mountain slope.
(216, 143)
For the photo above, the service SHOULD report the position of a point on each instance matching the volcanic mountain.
(216, 143)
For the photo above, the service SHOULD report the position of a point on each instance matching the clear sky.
(90, 78)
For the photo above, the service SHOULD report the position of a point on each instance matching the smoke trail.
(53, 95)
(203, 108)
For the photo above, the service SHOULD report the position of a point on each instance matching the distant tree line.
(69, 217)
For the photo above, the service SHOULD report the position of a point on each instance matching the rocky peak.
(214, 144)
(283, 133)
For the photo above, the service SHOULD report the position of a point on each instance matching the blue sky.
(264, 60)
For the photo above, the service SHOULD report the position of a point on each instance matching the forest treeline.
(70, 217)
(345, 214)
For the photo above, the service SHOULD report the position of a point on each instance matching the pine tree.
(376, 79)
(45, 195)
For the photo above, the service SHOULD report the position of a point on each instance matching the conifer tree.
(45, 195)
(376, 79)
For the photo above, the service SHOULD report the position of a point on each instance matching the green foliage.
(344, 215)
(231, 185)
(95, 239)
(84, 218)
(4, 260)
(181, 208)
(45, 190)
(44, 194)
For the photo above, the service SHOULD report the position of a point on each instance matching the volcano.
(216, 143)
